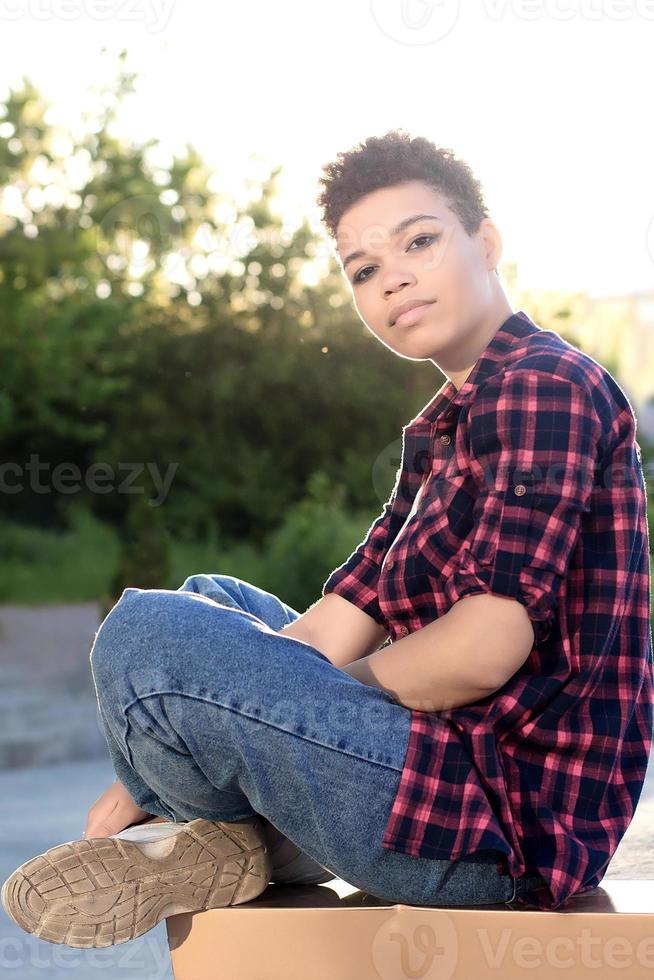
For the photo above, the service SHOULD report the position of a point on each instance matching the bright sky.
(547, 100)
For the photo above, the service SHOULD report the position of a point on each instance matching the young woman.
(494, 750)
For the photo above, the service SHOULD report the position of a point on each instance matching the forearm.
(339, 630)
(338, 655)
(300, 630)
(429, 670)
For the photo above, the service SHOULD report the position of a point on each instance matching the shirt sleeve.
(357, 578)
(533, 446)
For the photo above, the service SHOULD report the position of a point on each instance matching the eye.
(430, 238)
(358, 277)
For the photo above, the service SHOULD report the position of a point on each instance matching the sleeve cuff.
(471, 577)
(356, 581)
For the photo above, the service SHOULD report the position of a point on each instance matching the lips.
(397, 313)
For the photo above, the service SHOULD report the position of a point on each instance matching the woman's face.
(388, 261)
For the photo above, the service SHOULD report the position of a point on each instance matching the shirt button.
(446, 440)
(403, 630)
(519, 490)
(389, 564)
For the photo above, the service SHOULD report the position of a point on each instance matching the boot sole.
(105, 891)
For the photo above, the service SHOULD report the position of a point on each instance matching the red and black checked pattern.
(531, 487)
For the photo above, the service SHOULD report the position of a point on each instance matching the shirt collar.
(518, 326)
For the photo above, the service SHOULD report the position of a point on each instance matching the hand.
(112, 812)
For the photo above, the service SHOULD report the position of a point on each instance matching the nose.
(397, 288)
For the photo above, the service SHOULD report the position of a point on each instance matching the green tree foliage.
(149, 320)
(145, 555)
(153, 324)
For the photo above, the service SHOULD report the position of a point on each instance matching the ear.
(490, 241)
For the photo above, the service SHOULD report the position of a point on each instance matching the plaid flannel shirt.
(531, 486)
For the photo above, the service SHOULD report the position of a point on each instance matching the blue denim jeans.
(208, 711)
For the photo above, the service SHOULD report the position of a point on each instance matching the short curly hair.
(394, 158)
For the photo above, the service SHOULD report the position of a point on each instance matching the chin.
(421, 353)
(419, 347)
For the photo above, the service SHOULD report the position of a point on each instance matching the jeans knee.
(199, 581)
(191, 583)
(112, 639)
(222, 588)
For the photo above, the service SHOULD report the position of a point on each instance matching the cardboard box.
(337, 932)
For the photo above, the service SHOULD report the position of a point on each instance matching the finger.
(101, 829)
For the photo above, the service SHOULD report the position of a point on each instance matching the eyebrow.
(394, 232)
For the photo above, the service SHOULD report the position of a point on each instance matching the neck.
(458, 364)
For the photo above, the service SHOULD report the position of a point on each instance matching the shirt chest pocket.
(452, 517)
